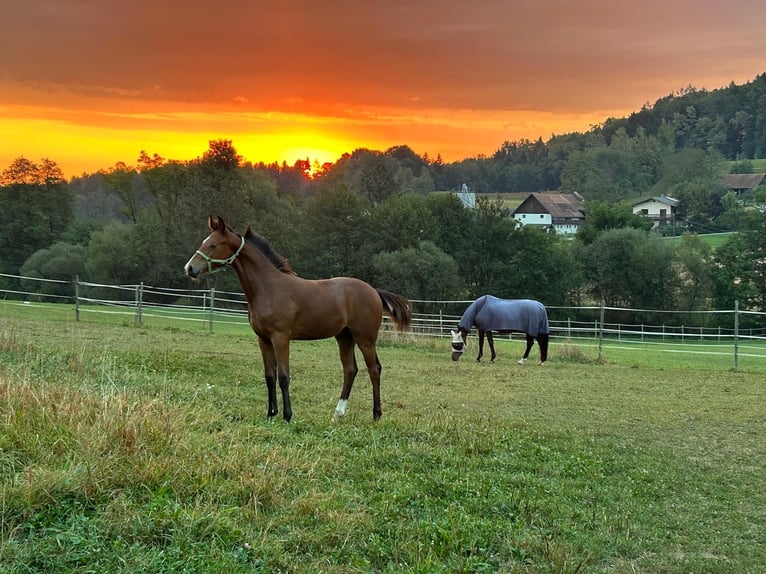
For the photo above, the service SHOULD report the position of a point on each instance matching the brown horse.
(283, 307)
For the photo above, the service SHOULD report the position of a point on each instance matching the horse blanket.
(489, 313)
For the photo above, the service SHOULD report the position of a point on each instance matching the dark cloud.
(493, 54)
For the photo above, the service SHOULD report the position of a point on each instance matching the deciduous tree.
(422, 272)
(35, 210)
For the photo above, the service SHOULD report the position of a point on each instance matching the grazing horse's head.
(218, 250)
(458, 343)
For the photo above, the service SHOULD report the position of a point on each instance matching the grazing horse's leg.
(530, 342)
(481, 346)
(270, 371)
(542, 342)
(348, 360)
(491, 346)
(282, 353)
(374, 368)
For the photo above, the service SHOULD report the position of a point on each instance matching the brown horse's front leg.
(284, 386)
(481, 346)
(270, 372)
(282, 354)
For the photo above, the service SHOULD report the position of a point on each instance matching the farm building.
(562, 212)
(661, 210)
(467, 198)
(742, 182)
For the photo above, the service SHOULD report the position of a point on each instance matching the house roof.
(558, 205)
(742, 180)
(672, 202)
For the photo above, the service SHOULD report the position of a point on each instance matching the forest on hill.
(374, 214)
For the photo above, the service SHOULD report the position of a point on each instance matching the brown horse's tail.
(398, 308)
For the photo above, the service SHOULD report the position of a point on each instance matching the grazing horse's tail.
(398, 308)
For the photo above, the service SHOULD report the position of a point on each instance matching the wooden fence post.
(212, 308)
(736, 334)
(76, 297)
(139, 303)
(601, 330)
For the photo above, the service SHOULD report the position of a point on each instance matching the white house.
(562, 212)
(661, 210)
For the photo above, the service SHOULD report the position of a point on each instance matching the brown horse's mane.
(260, 243)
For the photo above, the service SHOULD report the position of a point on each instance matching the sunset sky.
(88, 83)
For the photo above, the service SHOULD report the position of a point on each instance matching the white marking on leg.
(340, 410)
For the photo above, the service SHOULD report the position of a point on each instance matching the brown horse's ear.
(216, 223)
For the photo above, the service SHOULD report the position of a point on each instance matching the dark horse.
(282, 307)
(489, 314)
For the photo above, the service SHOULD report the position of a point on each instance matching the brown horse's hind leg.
(374, 368)
(270, 372)
(348, 359)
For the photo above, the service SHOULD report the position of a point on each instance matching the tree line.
(426, 246)
(389, 218)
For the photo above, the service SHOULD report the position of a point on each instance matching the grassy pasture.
(510, 200)
(759, 165)
(146, 449)
(715, 240)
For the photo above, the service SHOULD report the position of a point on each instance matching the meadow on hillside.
(126, 449)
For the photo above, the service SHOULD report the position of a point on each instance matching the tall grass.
(126, 449)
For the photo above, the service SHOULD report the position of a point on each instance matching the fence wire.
(741, 333)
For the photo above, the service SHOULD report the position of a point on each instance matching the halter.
(224, 262)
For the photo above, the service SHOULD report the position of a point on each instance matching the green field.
(146, 449)
(759, 165)
(715, 240)
(510, 200)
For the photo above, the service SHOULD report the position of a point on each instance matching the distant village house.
(563, 213)
(661, 210)
(741, 183)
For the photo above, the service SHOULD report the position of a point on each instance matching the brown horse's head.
(458, 343)
(218, 250)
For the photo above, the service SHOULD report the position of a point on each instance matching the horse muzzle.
(191, 272)
(458, 345)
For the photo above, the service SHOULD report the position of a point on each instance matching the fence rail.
(719, 332)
